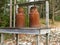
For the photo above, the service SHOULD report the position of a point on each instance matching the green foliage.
(27, 21)
(4, 21)
(26, 17)
(21, 1)
(4, 15)
(57, 18)
(2, 3)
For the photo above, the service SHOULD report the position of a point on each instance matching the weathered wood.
(10, 13)
(31, 3)
(47, 39)
(2, 39)
(47, 14)
(16, 39)
(15, 36)
(23, 30)
(20, 31)
(14, 12)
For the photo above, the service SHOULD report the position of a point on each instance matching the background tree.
(4, 13)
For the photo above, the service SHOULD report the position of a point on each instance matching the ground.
(55, 25)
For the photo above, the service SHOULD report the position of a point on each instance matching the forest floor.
(55, 25)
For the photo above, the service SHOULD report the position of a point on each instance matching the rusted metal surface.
(20, 18)
(34, 17)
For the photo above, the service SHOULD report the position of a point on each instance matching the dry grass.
(56, 23)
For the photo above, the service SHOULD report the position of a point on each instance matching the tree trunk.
(53, 3)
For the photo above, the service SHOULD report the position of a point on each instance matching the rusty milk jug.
(34, 18)
(20, 18)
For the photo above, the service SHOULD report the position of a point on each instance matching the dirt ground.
(55, 25)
